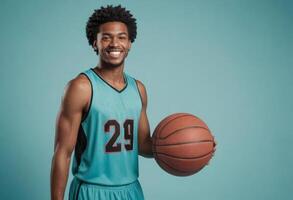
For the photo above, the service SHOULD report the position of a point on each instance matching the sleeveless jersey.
(106, 150)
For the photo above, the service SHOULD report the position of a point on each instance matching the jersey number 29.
(128, 135)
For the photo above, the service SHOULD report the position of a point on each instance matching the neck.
(111, 73)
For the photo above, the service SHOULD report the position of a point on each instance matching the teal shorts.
(85, 191)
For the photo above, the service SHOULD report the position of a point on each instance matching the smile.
(115, 53)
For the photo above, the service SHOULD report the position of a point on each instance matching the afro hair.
(110, 14)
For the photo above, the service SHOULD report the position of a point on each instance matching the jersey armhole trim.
(86, 114)
(138, 91)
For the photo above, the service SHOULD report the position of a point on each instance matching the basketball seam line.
(181, 171)
(183, 115)
(159, 128)
(190, 142)
(168, 155)
(174, 132)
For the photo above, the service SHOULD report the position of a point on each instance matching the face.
(113, 43)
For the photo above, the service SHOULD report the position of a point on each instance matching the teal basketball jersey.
(106, 150)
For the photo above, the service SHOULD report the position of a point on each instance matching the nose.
(114, 42)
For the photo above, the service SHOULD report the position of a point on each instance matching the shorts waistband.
(110, 187)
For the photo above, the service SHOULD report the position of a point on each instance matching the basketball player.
(103, 118)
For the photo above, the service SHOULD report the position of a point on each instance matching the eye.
(122, 37)
(105, 38)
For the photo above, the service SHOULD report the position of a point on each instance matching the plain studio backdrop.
(227, 62)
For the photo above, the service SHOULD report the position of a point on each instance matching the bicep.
(69, 117)
(66, 131)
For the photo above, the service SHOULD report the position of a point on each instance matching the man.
(103, 117)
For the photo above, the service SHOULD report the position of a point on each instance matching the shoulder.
(79, 84)
(140, 86)
(78, 90)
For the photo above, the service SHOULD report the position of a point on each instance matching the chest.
(111, 104)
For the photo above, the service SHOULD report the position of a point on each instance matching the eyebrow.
(122, 33)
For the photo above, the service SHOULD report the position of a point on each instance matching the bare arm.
(74, 102)
(144, 138)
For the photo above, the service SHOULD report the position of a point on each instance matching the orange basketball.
(182, 144)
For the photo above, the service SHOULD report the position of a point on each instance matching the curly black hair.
(110, 14)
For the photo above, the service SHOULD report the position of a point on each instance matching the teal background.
(228, 62)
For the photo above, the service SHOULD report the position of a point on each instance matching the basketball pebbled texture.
(182, 144)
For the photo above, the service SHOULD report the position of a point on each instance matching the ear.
(129, 46)
(95, 45)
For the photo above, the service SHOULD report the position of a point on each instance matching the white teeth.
(115, 53)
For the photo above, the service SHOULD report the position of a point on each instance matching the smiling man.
(103, 118)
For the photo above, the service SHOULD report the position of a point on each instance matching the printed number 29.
(128, 135)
